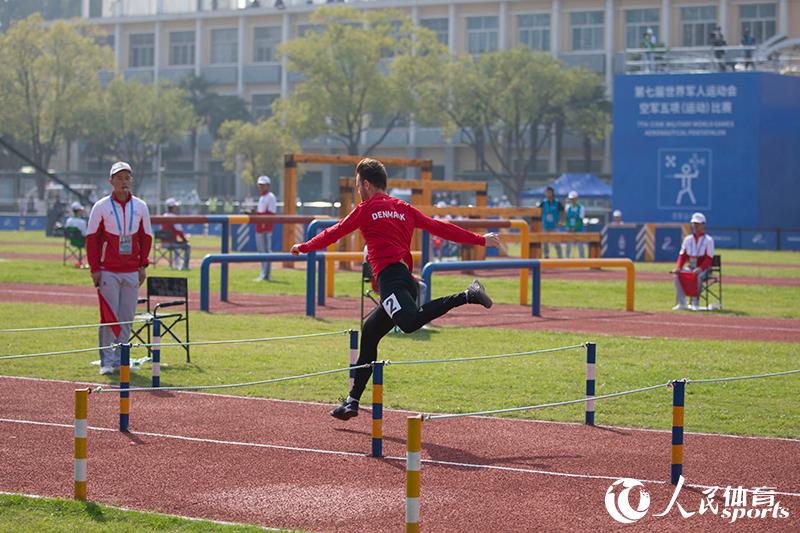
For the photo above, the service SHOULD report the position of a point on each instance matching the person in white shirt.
(76, 220)
(694, 260)
(267, 205)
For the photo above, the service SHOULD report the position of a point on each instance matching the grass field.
(765, 407)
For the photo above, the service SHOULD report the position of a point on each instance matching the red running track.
(680, 325)
(288, 464)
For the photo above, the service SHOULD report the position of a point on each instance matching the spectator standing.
(180, 240)
(213, 205)
(267, 205)
(76, 220)
(552, 217)
(694, 260)
(616, 217)
(717, 43)
(574, 221)
(748, 42)
(117, 246)
(649, 44)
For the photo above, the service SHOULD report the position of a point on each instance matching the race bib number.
(125, 245)
(391, 305)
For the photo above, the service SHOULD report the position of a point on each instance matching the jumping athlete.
(387, 225)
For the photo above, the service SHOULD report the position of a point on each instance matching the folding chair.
(158, 288)
(711, 290)
(74, 245)
(162, 247)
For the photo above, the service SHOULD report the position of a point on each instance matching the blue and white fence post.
(353, 354)
(591, 360)
(156, 351)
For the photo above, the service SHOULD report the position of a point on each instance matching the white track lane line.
(367, 409)
(364, 455)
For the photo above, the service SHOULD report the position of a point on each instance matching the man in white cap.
(179, 241)
(118, 244)
(76, 220)
(267, 205)
(616, 217)
(694, 260)
(574, 220)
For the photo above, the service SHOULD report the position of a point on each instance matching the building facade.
(233, 44)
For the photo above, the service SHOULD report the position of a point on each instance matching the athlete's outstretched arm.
(344, 227)
(452, 232)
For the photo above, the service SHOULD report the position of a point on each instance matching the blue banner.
(619, 241)
(9, 223)
(35, 223)
(790, 239)
(724, 144)
(725, 238)
(667, 243)
(759, 240)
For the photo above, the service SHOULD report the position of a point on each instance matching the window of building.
(224, 45)
(587, 30)
(697, 24)
(304, 29)
(265, 44)
(142, 50)
(441, 27)
(105, 40)
(181, 48)
(534, 31)
(261, 105)
(637, 22)
(759, 20)
(482, 35)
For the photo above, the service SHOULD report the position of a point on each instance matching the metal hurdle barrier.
(502, 264)
(627, 264)
(224, 259)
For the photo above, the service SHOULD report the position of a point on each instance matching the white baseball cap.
(171, 202)
(572, 194)
(76, 206)
(698, 218)
(120, 165)
(617, 213)
(264, 180)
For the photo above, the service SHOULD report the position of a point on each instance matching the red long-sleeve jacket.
(105, 227)
(699, 248)
(387, 225)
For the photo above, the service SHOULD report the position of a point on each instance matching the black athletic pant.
(398, 308)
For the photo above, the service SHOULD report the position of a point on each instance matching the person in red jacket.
(694, 260)
(118, 242)
(387, 225)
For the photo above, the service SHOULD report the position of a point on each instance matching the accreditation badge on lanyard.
(125, 240)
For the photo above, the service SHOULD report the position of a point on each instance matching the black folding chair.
(711, 289)
(74, 245)
(159, 288)
(162, 247)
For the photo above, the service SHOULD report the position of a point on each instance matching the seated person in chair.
(76, 220)
(695, 258)
(179, 241)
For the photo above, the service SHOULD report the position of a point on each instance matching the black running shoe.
(476, 294)
(346, 410)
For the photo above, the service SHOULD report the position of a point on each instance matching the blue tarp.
(586, 185)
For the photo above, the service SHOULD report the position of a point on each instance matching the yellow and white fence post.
(81, 447)
(413, 465)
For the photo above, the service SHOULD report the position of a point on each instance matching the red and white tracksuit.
(112, 223)
(697, 251)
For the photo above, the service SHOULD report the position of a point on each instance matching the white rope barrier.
(481, 357)
(542, 406)
(50, 328)
(737, 378)
(238, 341)
(233, 385)
(43, 354)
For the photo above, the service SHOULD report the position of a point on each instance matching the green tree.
(504, 104)
(588, 111)
(364, 68)
(260, 147)
(210, 109)
(47, 73)
(132, 119)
